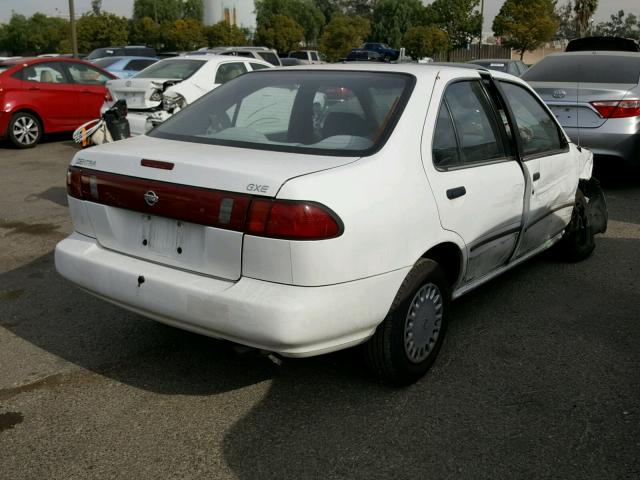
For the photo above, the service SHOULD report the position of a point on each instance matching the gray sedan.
(596, 97)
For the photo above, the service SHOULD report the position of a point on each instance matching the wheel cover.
(26, 130)
(423, 322)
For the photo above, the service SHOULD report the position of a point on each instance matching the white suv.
(307, 210)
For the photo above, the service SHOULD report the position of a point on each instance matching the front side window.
(172, 69)
(320, 112)
(229, 71)
(86, 75)
(475, 123)
(44, 73)
(538, 130)
(314, 56)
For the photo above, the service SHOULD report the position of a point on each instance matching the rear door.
(549, 162)
(90, 83)
(477, 182)
(51, 93)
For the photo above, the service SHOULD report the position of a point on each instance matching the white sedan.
(312, 209)
(164, 88)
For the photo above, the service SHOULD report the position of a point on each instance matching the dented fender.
(585, 163)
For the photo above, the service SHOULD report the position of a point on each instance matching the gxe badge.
(151, 198)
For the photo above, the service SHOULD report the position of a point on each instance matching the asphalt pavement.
(538, 378)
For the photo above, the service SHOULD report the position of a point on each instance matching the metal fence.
(475, 52)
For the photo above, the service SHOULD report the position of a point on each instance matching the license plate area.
(163, 236)
(566, 115)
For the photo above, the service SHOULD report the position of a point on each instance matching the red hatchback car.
(46, 95)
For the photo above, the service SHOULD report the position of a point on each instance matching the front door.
(478, 184)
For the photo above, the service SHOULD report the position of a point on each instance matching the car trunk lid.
(183, 204)
(572, 103)
(140, 93)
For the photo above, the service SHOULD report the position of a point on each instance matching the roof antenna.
(578, 109)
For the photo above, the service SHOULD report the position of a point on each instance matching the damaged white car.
(164, 88)
(306, 210)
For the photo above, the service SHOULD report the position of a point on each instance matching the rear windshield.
(327, 113)
(105, 62)
(585, 69)
(172, 68)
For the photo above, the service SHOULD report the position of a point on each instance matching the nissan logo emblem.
(559, 94)
(151, 198)
(127, 83)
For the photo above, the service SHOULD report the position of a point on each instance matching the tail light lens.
(618, 108)
(282, 219)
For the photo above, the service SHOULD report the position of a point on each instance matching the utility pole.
(72, 20)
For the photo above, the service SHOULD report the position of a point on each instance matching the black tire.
(578, 241)
(387, 353)
(25, 130)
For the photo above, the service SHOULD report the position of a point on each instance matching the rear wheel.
(406, 343)
(25, 130)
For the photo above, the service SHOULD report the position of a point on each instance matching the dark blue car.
(383, 49)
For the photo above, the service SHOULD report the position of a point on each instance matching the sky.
(125, 8)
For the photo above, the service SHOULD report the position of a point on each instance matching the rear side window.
(475, 123)
(106, 61)
(445, 147)
(258, 66)
(538, 130)
(586, 69)
(314, 56)
(49, 72)
(229, 71)
(270, 57)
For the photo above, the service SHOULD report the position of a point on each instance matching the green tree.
(280, 32)
(223, 34)
(392, 18)
(17, 36)
(459, 18)
(193, 9)
(304, 12)
(162, 11)
(423, 41)
(145, 31)
(343, 33)
(526, 24)
(95, 31)
(584, 10)
(619, 26)
(47, 33)
(184, 34)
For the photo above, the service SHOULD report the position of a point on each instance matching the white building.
(235, 12)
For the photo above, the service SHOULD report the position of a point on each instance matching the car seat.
(46, 77)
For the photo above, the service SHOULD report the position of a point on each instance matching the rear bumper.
(290, 320)
(611, 140)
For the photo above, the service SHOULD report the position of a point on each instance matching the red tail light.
(618, 108)
(292, 220)
(283, 219)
